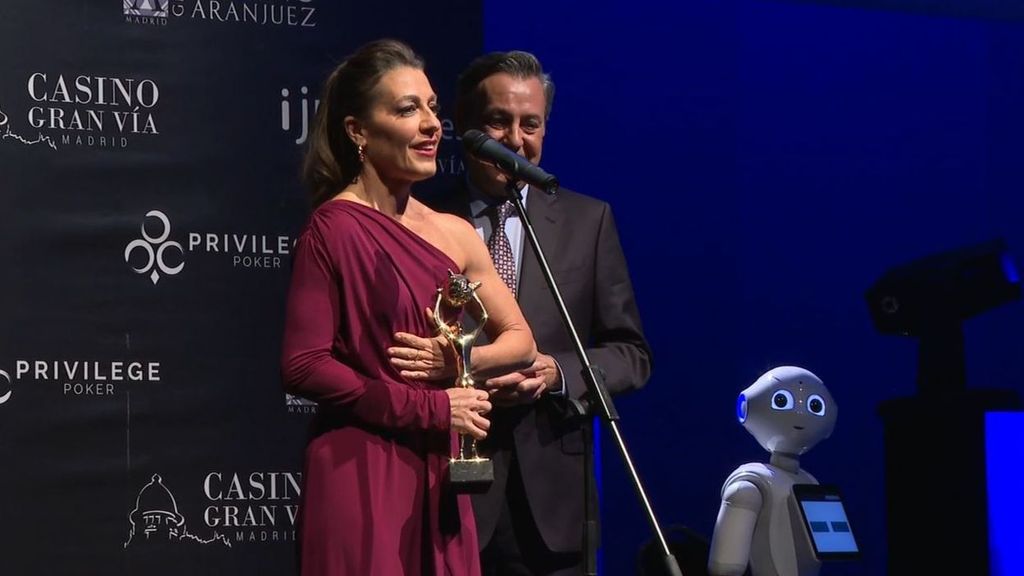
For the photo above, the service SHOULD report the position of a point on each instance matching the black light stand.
(935, 439)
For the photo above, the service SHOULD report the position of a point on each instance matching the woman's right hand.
(468, 405)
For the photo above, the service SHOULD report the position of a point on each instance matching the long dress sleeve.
(314, 313)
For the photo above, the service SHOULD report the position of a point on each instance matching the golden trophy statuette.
(468, 472)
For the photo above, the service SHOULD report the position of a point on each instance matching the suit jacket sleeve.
(616, 341)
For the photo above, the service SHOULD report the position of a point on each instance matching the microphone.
(483, 147)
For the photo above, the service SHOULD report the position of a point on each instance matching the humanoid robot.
(788, 410)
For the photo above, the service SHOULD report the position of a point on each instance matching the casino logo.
(253, 507)
(94, 111)
(7, 133)
(156, 519)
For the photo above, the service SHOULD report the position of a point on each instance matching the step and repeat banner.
(150, 198)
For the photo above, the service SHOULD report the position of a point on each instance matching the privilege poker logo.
(5, 387)
(80, 377)
(155, 250)
(157, 255)
(284, 13)
(156, 519)
(253, 507)
(7, 133)
(93, 111)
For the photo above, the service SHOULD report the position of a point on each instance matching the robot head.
(787, 410)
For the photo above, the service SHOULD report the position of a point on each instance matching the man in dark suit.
(530, 520)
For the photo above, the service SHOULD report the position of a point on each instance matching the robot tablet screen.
(826, 522)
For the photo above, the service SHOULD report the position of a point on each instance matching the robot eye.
(782, 400)
(816, 405)
(741, 408)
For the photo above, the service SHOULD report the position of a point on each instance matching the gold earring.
(362, 153)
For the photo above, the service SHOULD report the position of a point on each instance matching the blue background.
(767, 162)
(1005, 462)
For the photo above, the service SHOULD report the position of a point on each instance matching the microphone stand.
(599, 396)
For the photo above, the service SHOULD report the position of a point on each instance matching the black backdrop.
(149, 158)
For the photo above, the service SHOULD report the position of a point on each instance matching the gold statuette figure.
(467, 471)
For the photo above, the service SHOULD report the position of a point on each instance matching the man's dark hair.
(518, 64)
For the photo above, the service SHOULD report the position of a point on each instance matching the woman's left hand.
(419, 358)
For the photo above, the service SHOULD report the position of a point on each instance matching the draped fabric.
(375, 501)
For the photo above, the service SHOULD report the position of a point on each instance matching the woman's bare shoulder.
(450, 224)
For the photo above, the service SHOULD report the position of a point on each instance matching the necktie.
(499, 246)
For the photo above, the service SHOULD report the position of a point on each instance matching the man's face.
(512, 113)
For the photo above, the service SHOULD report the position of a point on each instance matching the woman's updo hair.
(332, 159)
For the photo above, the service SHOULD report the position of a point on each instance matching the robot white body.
(788, 410)
(759, 524)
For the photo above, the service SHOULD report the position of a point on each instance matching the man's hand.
(526, 385)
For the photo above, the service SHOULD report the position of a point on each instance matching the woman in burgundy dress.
(366, 268)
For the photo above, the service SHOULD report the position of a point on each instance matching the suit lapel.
(545, 214)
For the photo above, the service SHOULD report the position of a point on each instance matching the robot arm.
(734, 529)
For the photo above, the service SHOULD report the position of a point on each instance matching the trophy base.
(470, 476)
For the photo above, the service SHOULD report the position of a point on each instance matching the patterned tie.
(499, 246)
